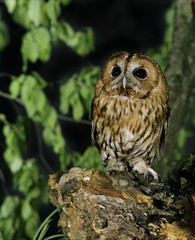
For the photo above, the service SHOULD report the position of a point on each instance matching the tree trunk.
(180, 74)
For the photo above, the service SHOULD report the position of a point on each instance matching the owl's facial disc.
(127, 76)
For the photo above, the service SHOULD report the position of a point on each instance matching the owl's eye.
(116, 71)
(140, 73)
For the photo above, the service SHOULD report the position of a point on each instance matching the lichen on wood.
(120, 206)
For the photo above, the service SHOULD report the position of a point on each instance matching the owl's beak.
(124, 82)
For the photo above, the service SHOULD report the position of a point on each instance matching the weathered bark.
(121, 206)
(180, 73)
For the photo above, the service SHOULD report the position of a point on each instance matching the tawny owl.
(130, 113)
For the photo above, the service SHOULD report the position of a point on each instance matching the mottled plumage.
(130, 113)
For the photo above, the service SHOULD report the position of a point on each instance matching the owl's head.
(131, 74)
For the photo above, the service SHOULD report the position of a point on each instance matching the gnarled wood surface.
(120, 206)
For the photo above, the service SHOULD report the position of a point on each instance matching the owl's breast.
(125, 127)
(113, 124)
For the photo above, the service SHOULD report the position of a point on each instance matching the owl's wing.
(164, 130)
(93, 128)
(94, 131)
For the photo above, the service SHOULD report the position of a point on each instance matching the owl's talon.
(142, 168)
(116, 166)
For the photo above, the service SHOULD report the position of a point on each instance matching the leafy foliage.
(89, 159)
(27, 179)
(43, 28)
(76, 92)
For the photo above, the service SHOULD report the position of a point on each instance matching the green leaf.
(33, 97)
(42, 39)
(13, 159)
(20, 15)
(4, 35)
(29, 49)
(59, 145)
(26, 210)
(32, 224)
(66, 91)
(84, 91)
(64, 106)
(69, 87)
(65, 32)
(52, 9)
(49, 116)
(34, 11)
(54, 138)
(86, 42)
(40, 81)
(12, 153)
(16, 84)
(10, 4)
(90, 159)
(48, 136)
(90, 38)
(35, 46)
(81, 42)
(38, 100)
(6, 229)
(28, 178)
(9, 205)
(27, 92)
(9, 211)
(35, 192)
(78, 110)
(3, 118)
(15, 133)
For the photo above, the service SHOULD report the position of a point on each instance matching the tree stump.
(120, 206)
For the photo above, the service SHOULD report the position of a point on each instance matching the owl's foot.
(116, 166)
(142, 168)
(119, 167)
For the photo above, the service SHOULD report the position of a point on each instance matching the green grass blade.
(40, 231)
(62, 236)
(44, 230)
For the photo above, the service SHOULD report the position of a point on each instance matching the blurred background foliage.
(50, 56)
